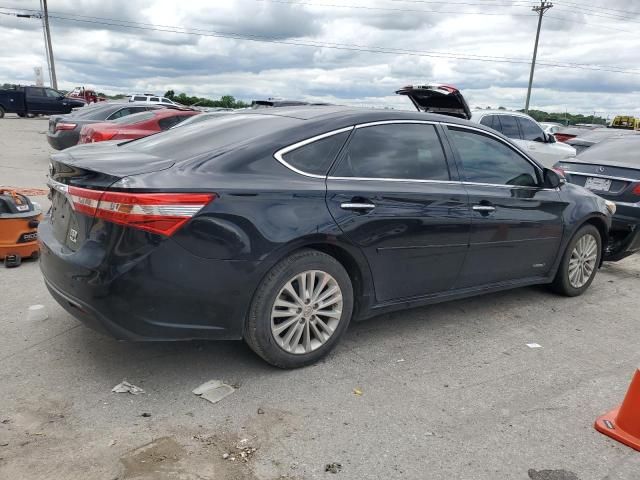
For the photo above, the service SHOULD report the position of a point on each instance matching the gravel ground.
(445, 392)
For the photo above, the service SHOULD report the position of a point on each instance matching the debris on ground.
(260, 411)
(243, 452)
(126, 387)
(112, 443)
(534, 345)
(214, 390)
(333, 467)
(357, 391)
(4, 444)
(36, 313)
(145, 415)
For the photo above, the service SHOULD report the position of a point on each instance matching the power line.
(330, 45)
(387, 9)
(582, 6)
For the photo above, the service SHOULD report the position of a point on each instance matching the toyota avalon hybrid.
(280, 227)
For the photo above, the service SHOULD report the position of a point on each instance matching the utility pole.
(544, 6)
(47, 33)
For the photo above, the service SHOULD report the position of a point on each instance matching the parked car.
(272, 102)
(592, 137)
(570, 132)
(134, 126)
(279, 227)
(35, 101)
(550, 127)
(519, 127)
(611, 169)
(150, 98)
(64, 130)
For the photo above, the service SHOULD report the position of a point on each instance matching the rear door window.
(139, 99)
(394, 151)
(316, 157)
(509, 126)
(36, 92)
(530, 130)
(168, 122)
(487, 160)
(154, 99)
(489, 121)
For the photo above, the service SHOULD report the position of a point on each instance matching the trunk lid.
(90, 167)
(441, 99)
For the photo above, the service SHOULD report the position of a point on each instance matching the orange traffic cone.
(623, 423)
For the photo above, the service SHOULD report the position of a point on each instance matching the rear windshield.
(99, 112)
(192, 140)
(134, 118)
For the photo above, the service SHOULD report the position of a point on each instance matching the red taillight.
(162, 213)
(65, 126)
(101, 136)
(636, 190)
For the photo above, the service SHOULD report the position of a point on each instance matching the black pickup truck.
(35, 100)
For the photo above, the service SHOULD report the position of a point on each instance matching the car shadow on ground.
(189, 362)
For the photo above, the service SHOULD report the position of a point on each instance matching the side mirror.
(552, 179)
(551, 138)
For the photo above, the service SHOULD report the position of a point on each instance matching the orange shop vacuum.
(19, 219)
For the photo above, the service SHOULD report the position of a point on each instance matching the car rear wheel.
(300, 310)
(579, 263)
(1, 112)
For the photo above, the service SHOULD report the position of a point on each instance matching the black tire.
(562, 283)
(1, 112)
(22, 115)
(258, 334)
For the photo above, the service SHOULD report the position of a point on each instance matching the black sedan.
(279, 227)
(64, 130)
(612, 170)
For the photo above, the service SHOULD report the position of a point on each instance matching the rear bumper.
(63, 139)
(164, 293)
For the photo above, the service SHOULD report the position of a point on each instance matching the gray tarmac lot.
(449, 391)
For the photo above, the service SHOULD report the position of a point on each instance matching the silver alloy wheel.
(583, 260)
(306, 312)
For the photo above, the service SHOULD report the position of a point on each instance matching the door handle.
(484, 208)
(357, 206)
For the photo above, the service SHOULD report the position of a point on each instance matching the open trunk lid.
(441, 99)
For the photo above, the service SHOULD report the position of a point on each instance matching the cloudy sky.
(349, 52)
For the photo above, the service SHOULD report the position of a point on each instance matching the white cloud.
(116, 59)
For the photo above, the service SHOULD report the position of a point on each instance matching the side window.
(509, 126)
(36, 92)
(487, 160)
(169, 122)
(51, 93)
(154, 99)
(530, 131)
(316, 157)
(139, 99)
(166, 100)
(400, 151)
(489, 121)
(123, 112)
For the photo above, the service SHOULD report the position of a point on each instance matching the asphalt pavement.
(450, 391)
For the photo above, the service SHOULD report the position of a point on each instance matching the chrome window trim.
(278, 155)
(391, 122)
(597, 175)
(283, 151)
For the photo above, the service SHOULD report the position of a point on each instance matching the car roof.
(481, 111)
(356, 115)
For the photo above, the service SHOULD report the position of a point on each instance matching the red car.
(134, 126)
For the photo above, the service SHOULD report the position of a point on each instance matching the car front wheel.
(300, 310)
(579, 263)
